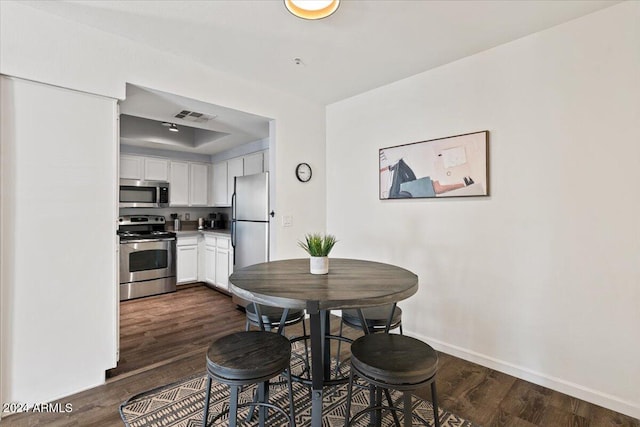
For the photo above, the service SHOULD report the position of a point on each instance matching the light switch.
(287, 220)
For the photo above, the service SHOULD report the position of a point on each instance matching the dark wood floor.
(164, 339)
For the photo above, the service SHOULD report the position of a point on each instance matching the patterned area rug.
(181, 404)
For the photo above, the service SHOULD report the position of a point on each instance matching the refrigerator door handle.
(233, 206)
(233, 234)
(233, 225)
(233, 240)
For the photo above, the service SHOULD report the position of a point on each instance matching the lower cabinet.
(205, 257)
(224, 262)
(187, 259)
(219, 260)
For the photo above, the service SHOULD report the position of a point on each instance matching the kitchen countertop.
(221, 231)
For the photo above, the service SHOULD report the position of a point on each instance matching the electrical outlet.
(287, 220)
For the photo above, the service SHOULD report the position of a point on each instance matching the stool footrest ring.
(243, 405)
(385, 408)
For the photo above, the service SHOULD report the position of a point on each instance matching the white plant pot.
(319, 265)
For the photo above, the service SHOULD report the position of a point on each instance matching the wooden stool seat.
(394, 359)
(252, 355)
(244, 358)
(376, 317)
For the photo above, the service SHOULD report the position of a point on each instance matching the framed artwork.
(455, 166)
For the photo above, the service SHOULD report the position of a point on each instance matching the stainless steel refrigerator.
(250, 219)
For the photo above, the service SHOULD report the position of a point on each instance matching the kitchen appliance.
(143, 194)
(176, 222)
(250, 223)
(250, 219)
(216, 221)
(147, 256)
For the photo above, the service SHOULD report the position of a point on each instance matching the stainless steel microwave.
(143, 194)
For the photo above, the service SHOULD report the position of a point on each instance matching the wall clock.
(303, 172)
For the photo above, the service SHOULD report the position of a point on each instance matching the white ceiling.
(228, 128)
(365, 44)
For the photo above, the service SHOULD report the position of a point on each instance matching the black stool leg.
(378, 402)
(408, 417)
(434, 402)
(233, 406)
(292, 412)
(306, 347)
(347, 411)
(206, 403)
(337, 370)
(393, 413)
(263, 397)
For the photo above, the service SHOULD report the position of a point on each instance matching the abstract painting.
(455, 166)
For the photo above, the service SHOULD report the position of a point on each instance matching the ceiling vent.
(193, 116)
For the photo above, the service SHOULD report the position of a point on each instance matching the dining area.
(299, 339)
(382, 364)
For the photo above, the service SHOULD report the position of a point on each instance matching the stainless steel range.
(147, 256)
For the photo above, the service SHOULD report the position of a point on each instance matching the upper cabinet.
(144, 168)
(220, 189)
(198, 184)
(235, 167)
(225, 172)
(156, 169)
(179, 184)
(254, 163)
(189, 184)
(131, 167)
(194, 183)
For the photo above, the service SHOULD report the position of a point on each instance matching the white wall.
(45, 48)
(59, 295)
(541, 279)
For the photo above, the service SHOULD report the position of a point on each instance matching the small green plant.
(317, 244)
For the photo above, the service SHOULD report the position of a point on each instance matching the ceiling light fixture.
(312, 9)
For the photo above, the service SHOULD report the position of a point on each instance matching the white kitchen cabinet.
(225, 172)
(187, 259)
(219, 260)
(198, 184)
(223, 261)
(235, 167)
(179, 184)
(156, 169)
(220, 188)
(144, 168)
(210, 260)
(254, 163)
(189, 184)
(131, 167)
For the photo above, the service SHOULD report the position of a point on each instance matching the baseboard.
(572, 389)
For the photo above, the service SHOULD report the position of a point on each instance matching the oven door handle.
(164, 239)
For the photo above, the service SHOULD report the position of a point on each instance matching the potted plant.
(318, 247)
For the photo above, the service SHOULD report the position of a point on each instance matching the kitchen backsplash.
(186, 214)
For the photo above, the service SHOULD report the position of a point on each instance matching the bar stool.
(382, 318)
(376, 318)
(390, 361)
(244, 358)
(272, 317)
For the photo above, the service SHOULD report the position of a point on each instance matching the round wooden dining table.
(350, 283)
